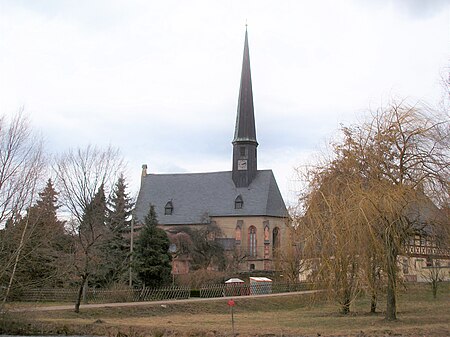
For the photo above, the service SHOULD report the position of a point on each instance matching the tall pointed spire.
(245, 119)
(244, 141)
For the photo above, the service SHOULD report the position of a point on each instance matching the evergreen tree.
(42, 258)
(152, 253)
(119, 219)
(95, 236)
(120, 207)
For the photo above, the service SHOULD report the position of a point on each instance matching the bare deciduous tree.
(21, 166)
(292, 260)
(82, 177)
(434, 274)
(205, 251)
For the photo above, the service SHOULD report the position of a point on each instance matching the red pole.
(231, 304)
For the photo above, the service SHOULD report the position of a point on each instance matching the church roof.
(245, 120)
(195, 197)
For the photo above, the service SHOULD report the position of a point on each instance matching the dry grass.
(299, 315)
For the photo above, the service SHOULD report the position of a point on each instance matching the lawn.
(298, 315)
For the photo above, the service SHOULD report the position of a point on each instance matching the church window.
(252, 241)
(238, 233)
(252, 266)
(275, 239)
(168, 209)
(238, 202)
(266, 233)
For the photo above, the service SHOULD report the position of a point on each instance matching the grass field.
(298, 315)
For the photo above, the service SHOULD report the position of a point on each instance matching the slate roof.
(245, 119)
(195, 196)
(426, 217)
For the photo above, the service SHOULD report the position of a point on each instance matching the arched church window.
(238, 202)
(252, 241)
(266, 233)
(168, 209)
(238, 233)
(275, 239)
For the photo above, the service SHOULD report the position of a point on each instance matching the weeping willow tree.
(372, 196)
(332, 231)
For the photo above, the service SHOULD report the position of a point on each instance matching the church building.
(245, 203)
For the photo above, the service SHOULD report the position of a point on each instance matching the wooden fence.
(244, 289)
(93, 295)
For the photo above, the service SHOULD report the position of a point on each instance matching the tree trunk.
(346, 300)
(16, 261)
(434, 286)
(80, 293)
(373, 282)
(373, 302)
(391, 312)
(345, 308)
(391, 304)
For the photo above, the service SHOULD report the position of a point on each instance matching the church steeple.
(244, 142)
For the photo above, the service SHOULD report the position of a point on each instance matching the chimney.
(144, 170)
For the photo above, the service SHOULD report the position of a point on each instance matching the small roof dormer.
(238, 202)
(168, 208)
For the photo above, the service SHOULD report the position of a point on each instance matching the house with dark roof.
(244, 203)
(426, 255)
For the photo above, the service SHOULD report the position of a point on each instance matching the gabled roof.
(197, 196)
(426, 217)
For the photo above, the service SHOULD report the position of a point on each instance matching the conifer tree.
(119, 219)
(152, 255)
(120, 207)
(46, 243)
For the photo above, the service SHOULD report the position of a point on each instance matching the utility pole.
(130, 282)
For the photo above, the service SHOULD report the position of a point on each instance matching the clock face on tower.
(242, 164)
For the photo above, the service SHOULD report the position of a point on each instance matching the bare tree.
(81, 172)
(21, 166)
(83, 176)
(434, 274)
(204, 249)
(292, 260)
(376, 188)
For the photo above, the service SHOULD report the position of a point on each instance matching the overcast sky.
(160, 79)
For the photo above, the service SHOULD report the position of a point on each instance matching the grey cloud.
(421, 8)
(418, 9)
